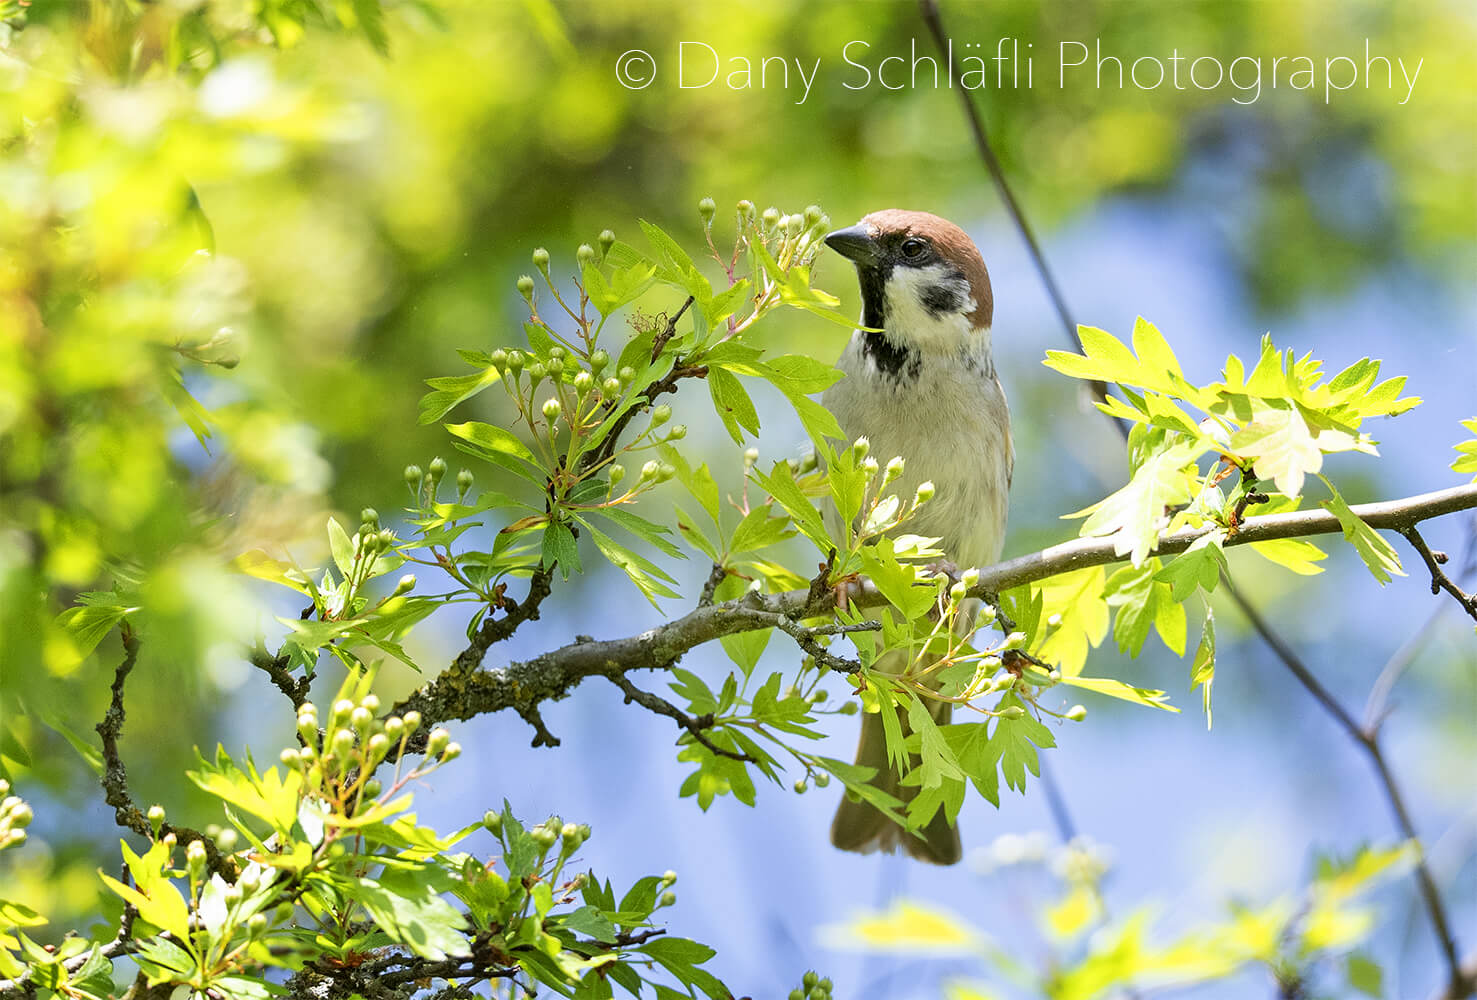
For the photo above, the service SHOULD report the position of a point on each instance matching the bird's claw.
(945, 567)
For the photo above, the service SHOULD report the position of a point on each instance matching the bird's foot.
(942, 567)
(850, 588)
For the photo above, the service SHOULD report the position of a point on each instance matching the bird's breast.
(951, 425)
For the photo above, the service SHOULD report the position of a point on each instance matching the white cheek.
(912, 323)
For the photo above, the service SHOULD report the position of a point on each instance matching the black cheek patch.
(940, 299)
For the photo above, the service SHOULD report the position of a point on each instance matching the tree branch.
(934, 20)
(661, 706)
(1439, 580)
(121, 944)
(275, 667)
(663, 385)
(460, 693)
(115, 775)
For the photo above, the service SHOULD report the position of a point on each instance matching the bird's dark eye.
(914, 248)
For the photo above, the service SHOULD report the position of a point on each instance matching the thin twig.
(1376, 707)
(932, 18)
(667, 383)
(1439, 580)
(121, 944)
(1368, 739)
(710, 585)
(661, 706)
(805, 638)
(541, 735)
(495, 630)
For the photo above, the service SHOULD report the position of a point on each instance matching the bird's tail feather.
(862, 827)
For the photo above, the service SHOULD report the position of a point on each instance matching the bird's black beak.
(857, 243)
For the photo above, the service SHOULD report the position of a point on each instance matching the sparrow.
(920, 383)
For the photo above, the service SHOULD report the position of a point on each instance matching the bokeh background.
(371, 189)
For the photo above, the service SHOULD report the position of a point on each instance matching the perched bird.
(920, 383)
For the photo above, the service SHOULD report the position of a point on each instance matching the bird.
(920, 383)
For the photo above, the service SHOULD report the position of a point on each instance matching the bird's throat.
(891, 359)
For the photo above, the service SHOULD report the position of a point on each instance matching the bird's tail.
(862, 827)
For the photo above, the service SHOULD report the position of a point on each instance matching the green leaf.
(590, 921)
(342, 547)
(732, 403)
(626, 284)
(643, 529)
(645, 574)
(489, 438)
(1198, 566)
(1466, 460)
(1144, 603)
(90, 624)
(727, 302)
(970, 744)
(699, 482)
(1014, 744)
(1132, 516)
(560, 548)
(689, 528)
(1283, 446)
(745, 648)
(780, 484)
(270, 796)
(1106, 358)
(896, 581)
(452, 390)
(1078, 597)
(759, 529)
(1148, 697)
(406, 907)
(700, 698)
(681, 958)
(1296, 554)
(1202, 670)
(858, 782)
(937, 759)
(800, 373)
(680, 269)
(1377, 553)
(1365, 975)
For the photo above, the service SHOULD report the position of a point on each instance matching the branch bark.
(459, 693)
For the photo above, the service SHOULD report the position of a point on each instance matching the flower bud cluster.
(357, 740)
(15, 816)
(813, 986)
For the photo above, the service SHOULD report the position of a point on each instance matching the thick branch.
(1395, 515)
(463, 693)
